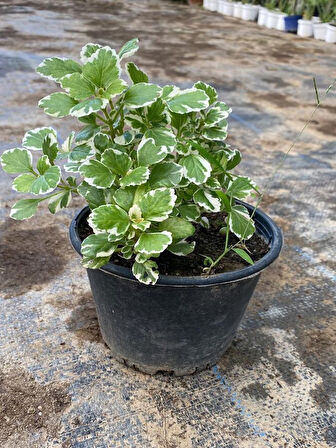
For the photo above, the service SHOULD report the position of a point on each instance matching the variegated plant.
(150, 160)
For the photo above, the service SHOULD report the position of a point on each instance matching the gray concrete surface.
(59, 386)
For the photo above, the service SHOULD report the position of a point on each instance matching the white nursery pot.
(210, 5)
(249, 12)
(262, 17)
(272, 19)
(220, 4)
(320, 30)
(316, 19)
(331, 34)
(305, 28)
(281, 21)
(227, 8)
(237, 10)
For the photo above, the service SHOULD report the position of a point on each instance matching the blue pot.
(291, 23)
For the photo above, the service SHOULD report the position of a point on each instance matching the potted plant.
(272, 14)
(291, 21)
(226, 7)
(305, 25)
(330, 16)
(262, 15)
(283, 10)
(210, 5)
(172, 253)
(250, 11)
(237, 9)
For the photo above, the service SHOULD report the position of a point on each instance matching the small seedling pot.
(272, 20)
(331, 34)
(305, 28)
(320, 30)
(262, 16)
(281, 21)
(249, 12)
(291, 23)
(210, 5)
(237, 10)
(181, 324)
(227, 8)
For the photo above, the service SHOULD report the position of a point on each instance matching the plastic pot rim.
(275, 246)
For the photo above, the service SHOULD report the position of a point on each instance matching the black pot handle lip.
(262, 221)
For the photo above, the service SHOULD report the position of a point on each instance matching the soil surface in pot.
(209, 242)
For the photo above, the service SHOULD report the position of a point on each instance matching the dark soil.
(209, 242)
(28, 407)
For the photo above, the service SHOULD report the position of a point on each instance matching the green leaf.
(77, 86)
(103, 70)
(217, 133)
(96, 174)
(208, 200)
(162, 137)
(146, 272)
(124, 197)
(149, 154)
(157, 205)
(118, 162)
(189, 211)
(141, 94)
(72, 167)
(87, 51)
(57, 104)
(137, 176)
(81, 152)
(156, 113)
(49, 149)
(178, 121)
(129, 48)
(109, 218)
(101, 141)
(189, 100)
(169, 91)
(43, 164)
(87, 132)
(153, 243)
(136, 75)
(61, 200)
(196, 168)
(87, 107)
(23, 183)
(94, 263)
(234, 158)
(209, 90)
(97, 246)
(240, 222)
(57, 68)
(16, 160)
(126, 138)
(244, 255)
(46, 182)
(214, 116)
(241, 187)
(24, 209)
(34, 139)
(178, 227)
(94, 196)
(182, 248)
(165, 174)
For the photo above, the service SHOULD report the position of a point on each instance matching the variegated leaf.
(178, 227)
(34, 139)
(46, 182)
(209, 90)
(24, 209)
(148, 153)
(16, 160)
(157, 205)
(97, 174)
(165, 174)
(87, 107)
(88, 50)
(208, 200)
(136, 75)
(97, 246)
(118, 162)
(58, 104)
(189, 100)
(56, 68)
(153, 243)
(146, 272)
(109, 218)
(196, 168)
(23, 182)
(129, 48)
(240, 222)
(141, 95)
(59, 201)
(77, 86)
(138, 176)
(182, 248)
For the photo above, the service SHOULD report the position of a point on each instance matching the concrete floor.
(275, 387)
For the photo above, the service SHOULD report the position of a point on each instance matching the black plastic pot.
(182, 324)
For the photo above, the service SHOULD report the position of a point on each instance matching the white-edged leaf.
(165, 174)
(24, 209)
(126, 138)
(124, 197)
(240, 222)
(97, 246)
(157, 205)
(209, 90)
(96, 174)
(117, 161)
(94, 196)
(94, 263)
(196, 168)
(162, 137)
(244, 255)
(81, 152)
(109, 218)
(72, 167)
(208, 200)
(191, 212)
(16, 160)
(153, 243)
(23, 183)
(43, 164)
(34, 138)
(57, 68)
(58, 104)
(129, 48)
(182, 248)
(87, 107)
(169, 92)
(136, 75)
(141, 94)
(87, 51)
(87, 132)
(149, 154)
(178, 227)
(189, 100)
(240, 187)
(217, 133)
(138, 176)
(77, 86)
(59, 201)
(47, 182)
(214, 116)
(146, 272)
